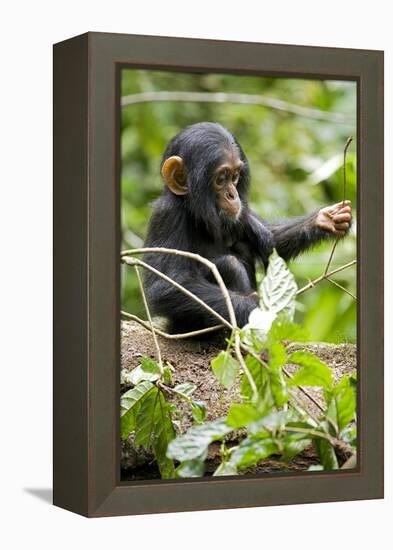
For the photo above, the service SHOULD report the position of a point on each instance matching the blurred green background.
(296, 160)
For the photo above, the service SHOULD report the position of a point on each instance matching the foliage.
(296, 165)
(270, 419)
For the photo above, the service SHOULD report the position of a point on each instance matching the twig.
(171, 336)
(134, 262)
(347, 144)
(341, 287)
(159, 358)
(311, 284)
(212, 266)
(232, 324)
(244, 99)
(304, 392)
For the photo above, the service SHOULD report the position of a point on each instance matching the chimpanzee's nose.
(230, 195)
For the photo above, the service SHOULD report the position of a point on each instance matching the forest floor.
(191, 362)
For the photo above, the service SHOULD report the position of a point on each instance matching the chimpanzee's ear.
(174, 173)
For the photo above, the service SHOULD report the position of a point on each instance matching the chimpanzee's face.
(225, 180)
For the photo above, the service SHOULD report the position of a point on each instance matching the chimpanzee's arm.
(293, 236)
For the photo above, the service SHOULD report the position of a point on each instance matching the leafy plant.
(267, 418)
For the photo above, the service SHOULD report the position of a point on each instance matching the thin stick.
(198, 258)
(311, 284)
(171, 336)
(159, 358)
(134, 262)
(347, 144)
(305, 392)
(232, 325)
(341, 287)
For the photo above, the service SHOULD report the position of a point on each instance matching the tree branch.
(243, 99)
(311, 284)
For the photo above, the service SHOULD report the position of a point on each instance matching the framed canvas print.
(218, 274)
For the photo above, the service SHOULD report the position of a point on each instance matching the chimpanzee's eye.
(221, 179)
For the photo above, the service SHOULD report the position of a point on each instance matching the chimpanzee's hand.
(335, 219)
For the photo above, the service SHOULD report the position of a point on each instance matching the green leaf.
(241, 414)
(277, 356)
(154, 430)
(259, 376)
(225, 469)
(138, 375)
(129, 403)
(251, 450)
(195, 441)
(147, 370)
(163, 434)
(192, 468)
(294, 444)
(146, 420)
(185, 390)
(278, 288)
(226, 369)
(345, 398)
(282, 329)
(198, 410)
(326, 454)
(150, 365)
(314, 372)
(278, 386)
(167, 374)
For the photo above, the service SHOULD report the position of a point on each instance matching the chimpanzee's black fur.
(193, 223)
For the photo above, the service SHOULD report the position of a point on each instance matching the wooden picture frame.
(87, 273)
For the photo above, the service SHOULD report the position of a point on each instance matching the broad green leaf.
(150, 365)
(326, 454)
(185, 390)
(226, 369)
(294, 444)
(225, 469)
(198, 410)
(278, 288)
(345, 398)
(129, 402)
(314, 372)
(241, 414)
(146, 419)
(251, 450)
(282, 329)
(192, 468)
(195, 441)
(259, 376)
(277, 356)
(138, 375)
(273, 421)
(154, 430)
(278, 385)
(147, 370)
(163, 434)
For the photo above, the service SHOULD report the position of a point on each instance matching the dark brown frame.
(86, 273)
